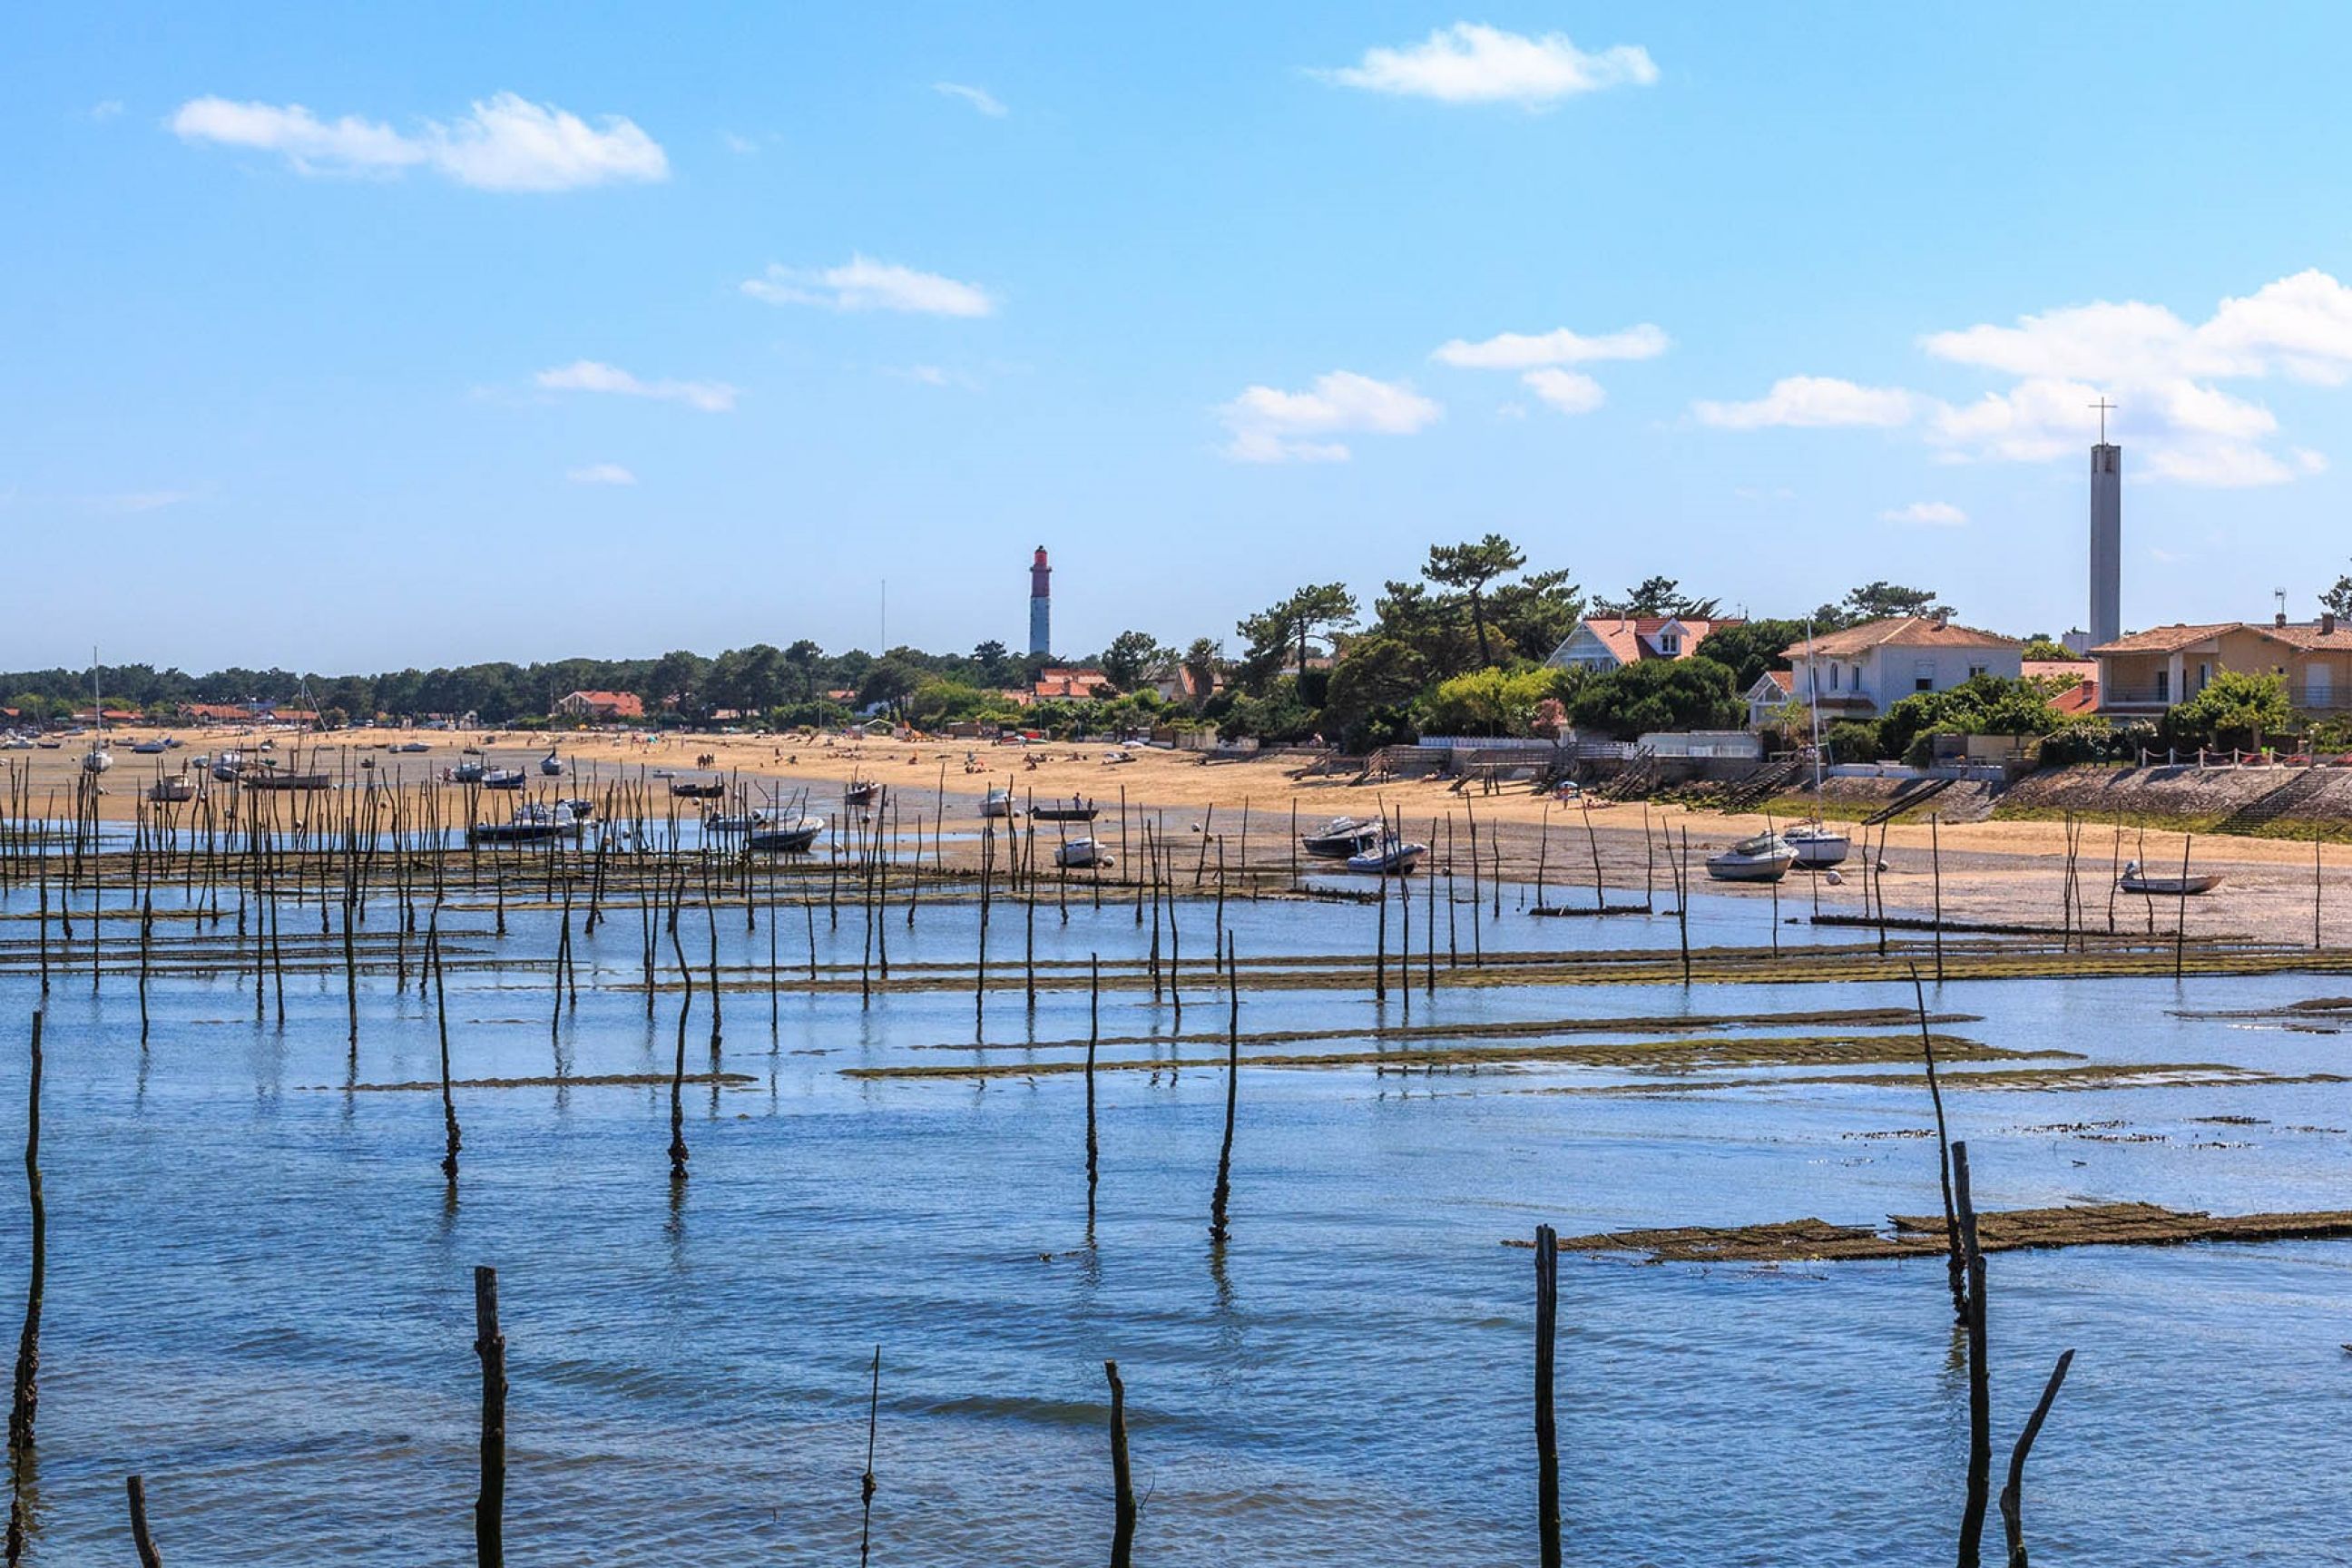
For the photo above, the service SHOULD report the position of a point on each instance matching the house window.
(1833, 677)
(2204, 676)
(2318, 684)
(1922, 675)
(1976, 670)
(1670, 644)
(2164, 686)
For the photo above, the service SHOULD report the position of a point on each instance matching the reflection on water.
(259, 1293)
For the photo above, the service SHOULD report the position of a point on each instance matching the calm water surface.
(260, 1298)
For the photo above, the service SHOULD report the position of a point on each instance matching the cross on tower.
(2105, 408)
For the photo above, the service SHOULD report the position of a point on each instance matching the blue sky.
(327, 334)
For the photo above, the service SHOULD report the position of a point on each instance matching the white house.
(1861, 672)
(1767, 697)
(1603, 643)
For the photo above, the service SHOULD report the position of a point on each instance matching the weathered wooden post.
(490, 1503)
(1093, 1037)
(1123, 1539)
(1546, 1436)
(441, 1012)
(27, 1402)
(1979, 1375)
(1224, 1191)
(141, 1541)
(2012, 1496)
(1957, 1262)
(866, 1487)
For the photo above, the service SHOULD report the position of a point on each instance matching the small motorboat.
(229, 766)
(504, 778)
(996, 802)
(551, 765)
(1341, 838)
(151, 748)
(530, 824)
(862, 791)
(177, 790)
(687, 789)
(1818, 847)
(1389, 857)
(48, 745)
(2135, 880)
(1072, 810)
(1763, 858)
(789, 836)
(411, 748)
(1082, 855)
(270, 777)
(742, 822)
(16, 743)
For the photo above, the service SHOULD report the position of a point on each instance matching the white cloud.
(1812, 402)
(863, 285)
(741, 147)
(106, 109)
(504, 144)
(2162, 373)
(1926, 514)
(134, 501)
(1269, 425)
(601, 474)
(590, 376)
(1517, 351)
(1470, 63)
(979, 98)
(1569, 391)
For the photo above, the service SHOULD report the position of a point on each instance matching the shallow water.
(260, 1299)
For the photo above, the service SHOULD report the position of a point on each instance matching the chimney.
(2279, 620)
(2328, 622)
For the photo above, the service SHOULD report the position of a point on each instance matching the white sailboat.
(98, 759)
(1818, 846)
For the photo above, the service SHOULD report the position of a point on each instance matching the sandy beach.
(1992, 872)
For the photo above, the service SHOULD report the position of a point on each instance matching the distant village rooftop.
(1897, 631)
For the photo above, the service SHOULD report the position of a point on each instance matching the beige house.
(1861, 672)
(2142, 674)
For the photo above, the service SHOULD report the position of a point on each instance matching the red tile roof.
(1899, 631)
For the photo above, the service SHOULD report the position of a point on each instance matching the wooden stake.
(491, 1505)
(1980, 1376)
(26, 1403)
(1546, 1436)
(141, 1541)
(2012, 1496)
(1959, 1253)
(1093, 1037)
(1224, 1192)
(1122, 1538)
(866, 1487)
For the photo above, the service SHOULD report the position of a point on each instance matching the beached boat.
(1071, 810)
(996, 802)
(151, 748)
(1818, 847)
(689, 789)
(412, 747)
(2135, 880)
(1389, 857)
(1763, 858)
(1082, 855)
(269, 777)
(530, 824)
(787, 836)
(551, 765)
(98, 759)
(504, 778)
(16, 743)
(177, 790)
(228, 766)
(861, 791)
(1340, 838)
